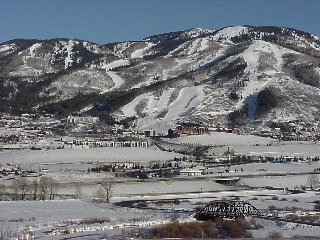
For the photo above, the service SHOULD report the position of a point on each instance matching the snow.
(81, 155)
(298, 106)
(187, 99)
(192, 33)
(291, 149)
(50, 218)
(33, 48)
(91, 47)
(87, 108)
(179, 48)
(252, 57)
(316, 37)
(86, 80)
(26, 210)
(190, 48)
(140, 52)
(249, 145)
(204, 44)
(117, 80)
(230, 32)
(275, 174)
(291, 181)
(120, 49)
(199, 44)
(64, 50)
(221, 138)
(287, 230)
(129, 109)
(161, 110)
(69, 60)
(115, 64)
(252, 53)
(264, 68)
(214, 57)
(196, 32)
(176, 68)
(25, 71)
(7, 49)
(166, 187)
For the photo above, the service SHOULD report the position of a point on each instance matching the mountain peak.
(181, 35)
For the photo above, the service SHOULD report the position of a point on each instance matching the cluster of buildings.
(106, 143)
(290, 131)
(28, 130)
(85, 120)
(25, 129)
(197, 129)
(190, 130)
(38, 132)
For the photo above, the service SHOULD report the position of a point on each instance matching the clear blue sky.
(104, 21)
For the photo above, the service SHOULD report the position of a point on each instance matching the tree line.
(23, 189)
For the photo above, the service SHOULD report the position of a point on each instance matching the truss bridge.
(226, 209)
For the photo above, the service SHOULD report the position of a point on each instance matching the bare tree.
(275, 235)
(313, 181)
(47, 187)
(20, 187)
(52, 188)
(100, 194)
(43, 188)
(35, 188)
(3, 192)
(107, 185)
(78, 190)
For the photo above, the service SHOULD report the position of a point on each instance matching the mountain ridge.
(216, 77)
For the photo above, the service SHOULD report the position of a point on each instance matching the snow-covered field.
(61, 219)
(85, 218)
(85, 155)
(221, 138)
(250, 145)
(51, 219)
(290, 149)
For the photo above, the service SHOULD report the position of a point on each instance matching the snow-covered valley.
(111, 141)
(78, 212)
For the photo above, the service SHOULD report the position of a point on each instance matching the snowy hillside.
(235, 76)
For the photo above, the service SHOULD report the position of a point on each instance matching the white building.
(192, 171)
(77, 119)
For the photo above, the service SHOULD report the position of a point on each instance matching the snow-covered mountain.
(243, 76)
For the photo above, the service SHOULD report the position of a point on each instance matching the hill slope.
(235, 76)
